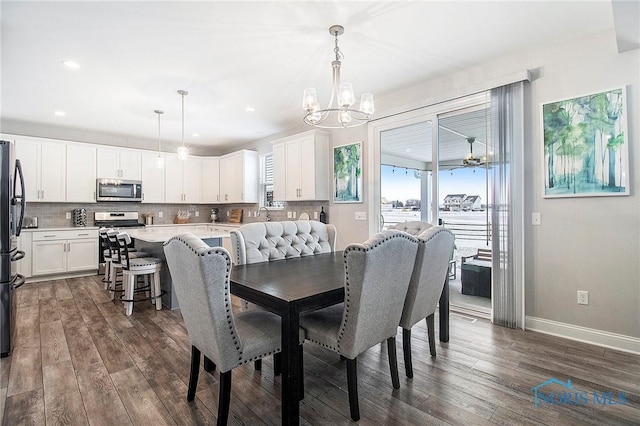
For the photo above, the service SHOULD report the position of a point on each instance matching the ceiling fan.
(470, 160)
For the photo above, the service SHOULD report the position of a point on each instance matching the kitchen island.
(152, 238)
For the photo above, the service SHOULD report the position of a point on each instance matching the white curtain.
(507, 215)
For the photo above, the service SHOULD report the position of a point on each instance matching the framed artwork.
(347, 173)
(586, 152)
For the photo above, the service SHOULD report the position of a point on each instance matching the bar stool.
(115, 265)
(106, 253)
(134, 267)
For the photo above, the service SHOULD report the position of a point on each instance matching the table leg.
(444, 312)
(290, 368)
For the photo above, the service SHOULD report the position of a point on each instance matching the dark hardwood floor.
(79, 360)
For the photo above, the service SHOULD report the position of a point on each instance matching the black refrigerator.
(12, 206)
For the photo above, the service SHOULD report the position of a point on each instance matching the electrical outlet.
(315, 215)
(535, 219)
(159, 214)
(288, 215)
(228, 213)
(68, 215)
(583, 297)
(197, 213)
(361, 215)
(294, 214)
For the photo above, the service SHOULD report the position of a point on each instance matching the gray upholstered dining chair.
(374, 298)
(200, 275)
(427, 280)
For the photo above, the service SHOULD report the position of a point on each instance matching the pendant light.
(183, 151)
(159, 158)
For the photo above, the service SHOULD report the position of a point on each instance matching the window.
(266, 183)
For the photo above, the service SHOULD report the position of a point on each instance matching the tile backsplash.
(53, 215)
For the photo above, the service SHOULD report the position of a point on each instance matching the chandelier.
(342, 115)
(183, 151)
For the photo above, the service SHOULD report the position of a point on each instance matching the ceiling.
(134, 56)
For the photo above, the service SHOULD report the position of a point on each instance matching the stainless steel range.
(115, 220)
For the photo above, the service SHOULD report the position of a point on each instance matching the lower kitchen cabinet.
(57, 252)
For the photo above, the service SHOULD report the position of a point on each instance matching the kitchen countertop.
(160, 234)
(68, 228)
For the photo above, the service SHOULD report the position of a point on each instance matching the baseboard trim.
(39, 278)
(606, 339)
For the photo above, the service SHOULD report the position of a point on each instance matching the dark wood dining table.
(289, 287)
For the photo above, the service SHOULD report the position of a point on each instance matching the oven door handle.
(18, 282)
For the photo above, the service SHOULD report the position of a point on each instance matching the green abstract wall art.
(586, 149)
(347, 173)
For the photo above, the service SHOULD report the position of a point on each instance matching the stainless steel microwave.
(118, 190)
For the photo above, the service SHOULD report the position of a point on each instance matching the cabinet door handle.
(49, 236)
(82, 234)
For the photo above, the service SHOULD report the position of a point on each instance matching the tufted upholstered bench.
(268, 241)
(413, 227)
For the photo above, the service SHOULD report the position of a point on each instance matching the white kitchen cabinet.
(119, 163)
(24, 244)
(44, 163)
(183, 179)
(210, 180)
(56, 252)
(239, 177)
(301, 167)
(81, 173)
(152, 178)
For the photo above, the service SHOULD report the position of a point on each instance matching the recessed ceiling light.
(71, 64)
(195, 135)
(60, 113)
(250, 109)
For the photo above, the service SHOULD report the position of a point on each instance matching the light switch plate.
(288, 215)
(315, 215)
(68, 215)
(535, 219)
(159, 214)
(361, 215)
(197, 213)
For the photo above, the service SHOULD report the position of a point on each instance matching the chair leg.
(257, 364)
(352, 384)
(277, 364)
(113, 276)
(301, 375)
(107, 270)
(209, 366)
(130, 284)
(224, 398)
(193, 373)
(406, 350)
(156, 287)
(432, 334)
(393, 362)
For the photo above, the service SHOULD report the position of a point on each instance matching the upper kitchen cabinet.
(119, 163)
(183, 179)
(301, 167)
(239, 177)
(152, 178)
(210, 180)
(81, 173)
(44, 163)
